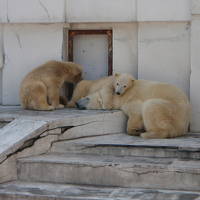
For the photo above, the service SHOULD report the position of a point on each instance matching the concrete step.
(46, 191)
(187, 147)
(141, 172)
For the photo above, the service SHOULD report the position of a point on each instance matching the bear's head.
(93, 101)
(122, 82)
(73, 72)
(101, 99)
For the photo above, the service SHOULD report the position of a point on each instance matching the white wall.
(37, 11)
(23, 11)
(164, 53)
(1, 60)
(27, 46)
(101, 11)
(164, 10)
(195, 67)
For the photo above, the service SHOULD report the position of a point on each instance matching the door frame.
(109, 33)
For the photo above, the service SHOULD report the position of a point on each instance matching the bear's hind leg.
(158, 119)
(38, 98)
(54, 97)
(135, 125)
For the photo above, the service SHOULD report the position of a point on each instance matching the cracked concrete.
(33, 133)
(141, 172)
(45, 9)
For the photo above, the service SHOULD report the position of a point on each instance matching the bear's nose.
(117, 93)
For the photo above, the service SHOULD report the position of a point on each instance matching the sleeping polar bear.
(161, 109)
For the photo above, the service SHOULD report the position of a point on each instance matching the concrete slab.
(33, 132)
(187, 147)
(46, 191)
(28, 124)
(109, 170)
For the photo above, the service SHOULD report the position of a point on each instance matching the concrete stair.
(46, 191)
(108, 167)
(187, 147)
(107, 170)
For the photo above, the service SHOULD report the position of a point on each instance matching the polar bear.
(40, 89)
(86, 87)
(161, 109)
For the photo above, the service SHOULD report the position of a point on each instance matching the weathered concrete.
(159, 10)
(195, 73)
(101, 11)
(45, 191)
(187, 147)
(164, 53)
(27, 46)
(195, 6)
(124, 171)
(42, 11)
(33, 132)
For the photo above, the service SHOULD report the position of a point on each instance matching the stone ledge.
(46, 191)
(33, 132)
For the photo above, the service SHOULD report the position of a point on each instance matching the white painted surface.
(164, 10)
(1, 75)
(125, 48)
(91, 51)
(51, 11)
(3, 11)
(1, 60)
(195, 6)
(195, 73)
(1, 46)
(101, 10)
(164, 53)
(26, 47)
(33, 11)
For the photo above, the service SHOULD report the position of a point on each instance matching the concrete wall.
(195, 66)
(152, 39)
(1, 60)
(164, 53)
(25, 47)
(33, 11)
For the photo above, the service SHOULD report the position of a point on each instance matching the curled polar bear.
(161, 109)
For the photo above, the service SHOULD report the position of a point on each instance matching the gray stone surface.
(124, 145)
(141, 172)
(2, 124)
(45, 191)
(17, 132)
(30, 124)
(33, 132)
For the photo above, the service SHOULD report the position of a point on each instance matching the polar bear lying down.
(161, 109)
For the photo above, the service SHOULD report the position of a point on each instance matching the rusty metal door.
(93, 50)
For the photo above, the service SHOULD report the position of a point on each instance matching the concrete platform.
(27, 133)
(187, 147)
(45, 191)
(126, 171)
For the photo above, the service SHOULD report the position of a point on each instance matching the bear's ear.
(117, 74)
